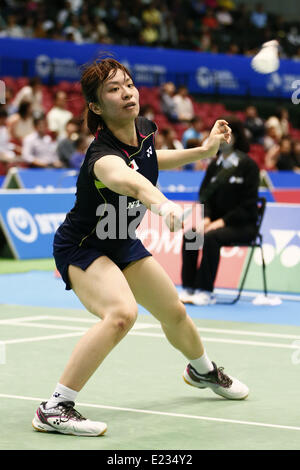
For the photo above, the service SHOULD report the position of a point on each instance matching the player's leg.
(104, 291)
(154, 290)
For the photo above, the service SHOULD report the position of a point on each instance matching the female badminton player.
(112, 274)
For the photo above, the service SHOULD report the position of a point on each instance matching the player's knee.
(177, 313)
(124, 317)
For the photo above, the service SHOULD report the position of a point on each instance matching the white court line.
(208, 330)
(13, 321)
(228, 341)
(163, 413)
(139, 326)
(52, 326)
(158, 335)
(155, 335)
(40, 338)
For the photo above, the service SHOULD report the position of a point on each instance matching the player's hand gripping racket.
(174, 216)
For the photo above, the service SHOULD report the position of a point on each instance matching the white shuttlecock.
(267, 59)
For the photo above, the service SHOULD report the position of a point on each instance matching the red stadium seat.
(257, 153)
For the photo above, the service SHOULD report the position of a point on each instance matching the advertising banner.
(281, 245)
(201, 72)
(28, 220)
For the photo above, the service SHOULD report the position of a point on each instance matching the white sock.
(61, 393)
(203, 364)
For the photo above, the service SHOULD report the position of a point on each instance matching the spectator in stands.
(168, 34)
(151, 14)
(58, 116)
(283, 117)
(149, 34)
(196, 130)
(254, 125)
(227, 4)
(184, 105)
(168, 104)
(286, 160)
(224, 17)
(20, 124)
(66, 146)
(65, 13)
(73, 30)
(205, 41)
(229, 194)
(273, 134)
(77, 157)
(233, 49)
(39, 150)
(159, 141)
(210, 20)
(7, 153)
(200, 164)
(32, 93)
(13, 30)
(282, 156)
(259, 17)
(147, 111)
(9, 97)
(170, 139)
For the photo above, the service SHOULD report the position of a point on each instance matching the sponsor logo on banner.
(206, 78)
(29, 220)
(27, 227)
(60, 67)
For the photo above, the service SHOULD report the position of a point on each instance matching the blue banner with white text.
(29, 220)
(202, 72)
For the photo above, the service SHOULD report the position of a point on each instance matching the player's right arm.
(113, 172)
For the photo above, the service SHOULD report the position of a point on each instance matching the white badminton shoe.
(64, 419)
(202, 298)
(185, 295)
(220, 383)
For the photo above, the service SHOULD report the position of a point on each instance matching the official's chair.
(255, 243)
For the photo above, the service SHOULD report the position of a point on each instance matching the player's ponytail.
(92, 78)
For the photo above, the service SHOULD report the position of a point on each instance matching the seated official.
(229, 193)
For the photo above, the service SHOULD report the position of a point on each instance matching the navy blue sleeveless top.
(93, 197)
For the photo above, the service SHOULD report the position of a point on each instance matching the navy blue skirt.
(121, 252)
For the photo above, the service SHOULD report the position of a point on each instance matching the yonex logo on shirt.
(149, 152)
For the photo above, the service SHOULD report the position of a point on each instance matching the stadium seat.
(257, 153)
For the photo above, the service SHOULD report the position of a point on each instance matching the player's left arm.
(169, 159)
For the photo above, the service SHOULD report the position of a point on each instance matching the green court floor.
(139, 390)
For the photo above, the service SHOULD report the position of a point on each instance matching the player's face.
(119, 98)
